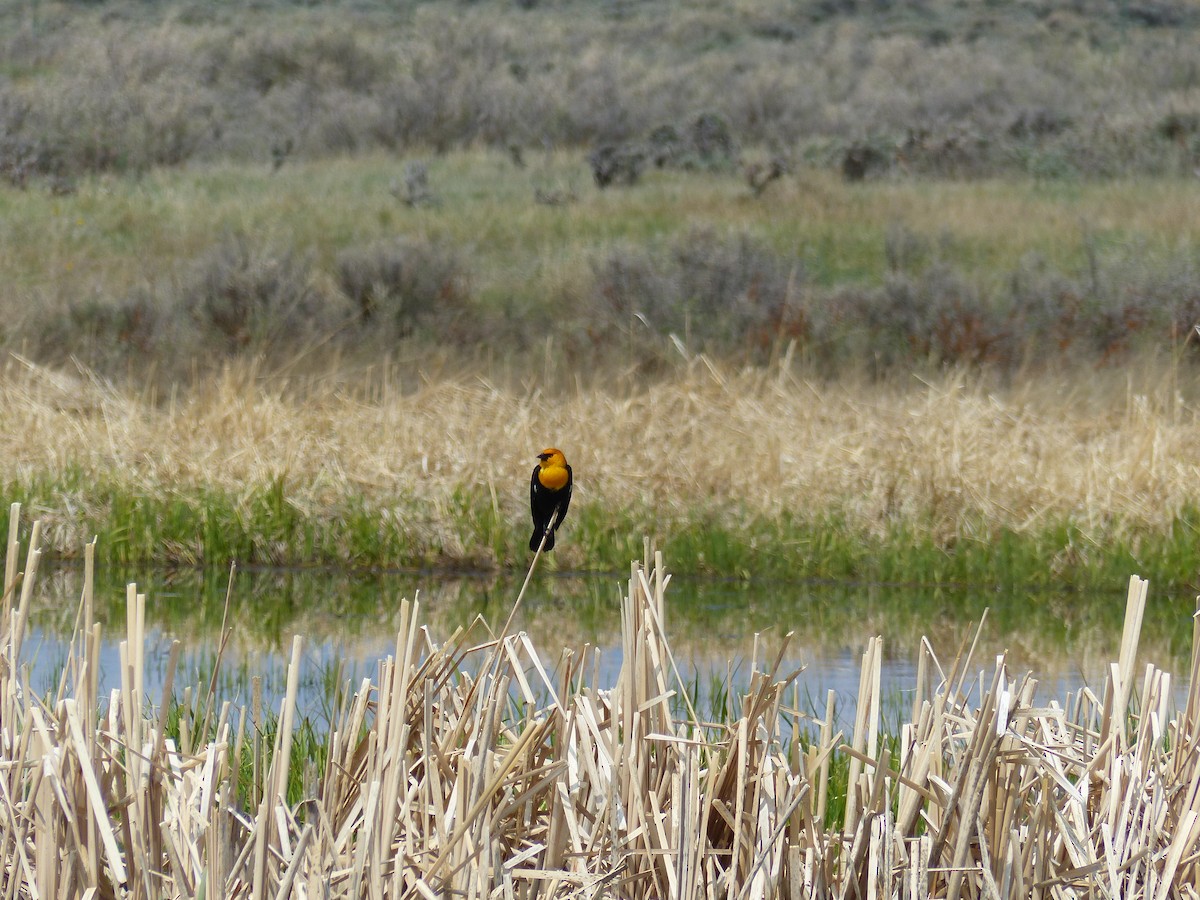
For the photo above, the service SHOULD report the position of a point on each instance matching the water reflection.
(718, 629)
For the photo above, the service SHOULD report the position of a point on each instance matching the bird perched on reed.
(549, 496)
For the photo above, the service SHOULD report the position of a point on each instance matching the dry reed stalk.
(478, 770)
(946, 453)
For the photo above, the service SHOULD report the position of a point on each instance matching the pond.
(717, 629)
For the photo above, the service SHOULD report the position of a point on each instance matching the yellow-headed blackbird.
(549, 496)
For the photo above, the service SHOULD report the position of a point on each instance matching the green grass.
(211, 527)
(133, 228)
(310, 747)
(119, 273)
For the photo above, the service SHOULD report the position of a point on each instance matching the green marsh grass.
(210, 528)
(960, 480)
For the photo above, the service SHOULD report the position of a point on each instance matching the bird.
(549, 496)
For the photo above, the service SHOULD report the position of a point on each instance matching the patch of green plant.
(261, 525)
(176, 273)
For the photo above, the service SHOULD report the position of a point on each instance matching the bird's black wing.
(563, 498)
(539, 516)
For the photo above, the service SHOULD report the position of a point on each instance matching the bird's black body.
(549, 507)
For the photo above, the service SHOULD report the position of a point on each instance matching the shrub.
(665, 146)
(121, 88)
(122, 104)
(863, 159)
(616, 164)
(714, 291)
(712, 142)
(93, 330)
(241, 296)
(401, 287)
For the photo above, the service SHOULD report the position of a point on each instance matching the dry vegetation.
(937, 87)
(196, 183)
(477, 767)
(957, 457)
(258, 255)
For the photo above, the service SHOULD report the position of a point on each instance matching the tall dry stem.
(481, 769)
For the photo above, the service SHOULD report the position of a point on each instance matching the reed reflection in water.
(717, 628)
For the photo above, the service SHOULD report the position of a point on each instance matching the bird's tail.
(537, 539)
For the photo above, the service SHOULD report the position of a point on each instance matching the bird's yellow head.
(552, 458)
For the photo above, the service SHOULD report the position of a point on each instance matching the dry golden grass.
(475, 767)
(1107, 450)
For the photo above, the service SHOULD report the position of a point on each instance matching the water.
(717, 629)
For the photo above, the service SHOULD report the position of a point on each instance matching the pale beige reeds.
(477, 768)
(1106, 451)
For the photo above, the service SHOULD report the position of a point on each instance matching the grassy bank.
(736, 472)
(261, 526)
(477, 763)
